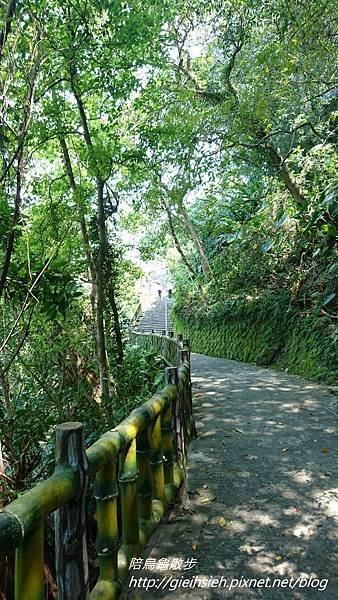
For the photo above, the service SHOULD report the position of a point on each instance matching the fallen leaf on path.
(325, 450)
(285, 450)
(222, 522)
(194, 546)
(238, 430)
(278, 557)
(205, 486)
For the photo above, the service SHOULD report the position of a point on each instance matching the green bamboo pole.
(190, 423)
(193, 430)
(29, 567)
(179, 422)
(128, 484)
(171, 377)
(185, 409)
(156, 459)
(106, 492)
(145, 489)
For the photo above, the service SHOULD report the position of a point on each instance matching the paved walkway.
(263, 485)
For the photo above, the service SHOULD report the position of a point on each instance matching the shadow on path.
(263, 485)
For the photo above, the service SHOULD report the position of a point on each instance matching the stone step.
(154, 317)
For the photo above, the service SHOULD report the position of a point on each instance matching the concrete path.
(263, 485)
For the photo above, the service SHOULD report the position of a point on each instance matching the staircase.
(157, 317)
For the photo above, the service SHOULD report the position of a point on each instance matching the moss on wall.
(266, 332)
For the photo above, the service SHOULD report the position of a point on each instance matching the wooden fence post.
(70, 519)
(185, 355)
(171, 375)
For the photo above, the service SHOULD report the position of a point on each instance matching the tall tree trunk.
(84, 231)
(285, 175)
(76, 195)
(182, 254)
(2, 478)
(116, 318)
(13, 232)
(277, 161)
(197, 242)
(100, 263)
(101, 253)
(9, 411)
(96, 272)
(5, 31)
(17, 157)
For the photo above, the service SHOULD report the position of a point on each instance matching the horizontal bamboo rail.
(164, 345)
(140, 465)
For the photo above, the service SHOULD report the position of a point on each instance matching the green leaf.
(328, 299)
(267, 245)
(282, 221)
(158, 379)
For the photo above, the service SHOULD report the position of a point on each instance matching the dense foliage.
(203, 131)
(241, 175)
(68, 72)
